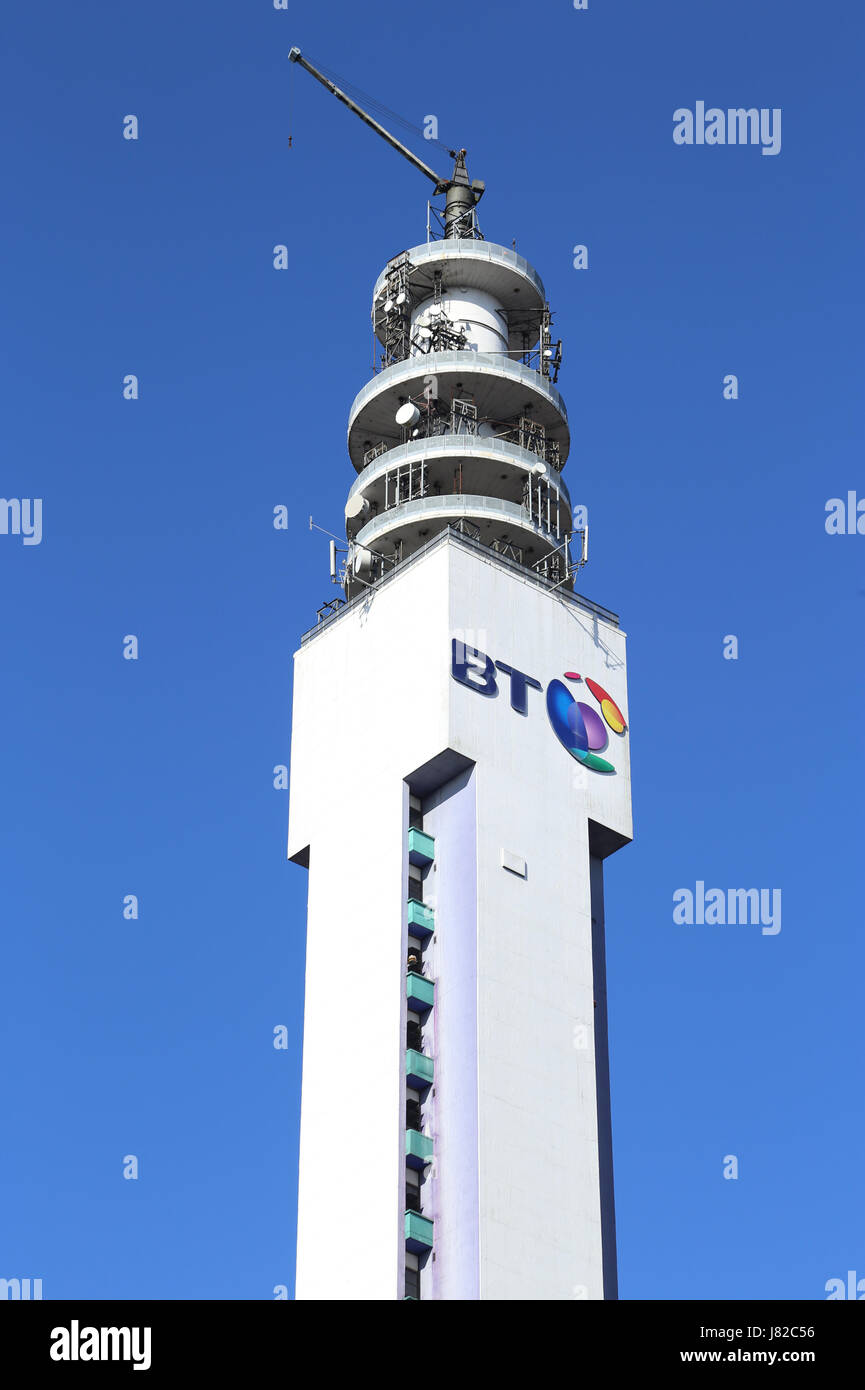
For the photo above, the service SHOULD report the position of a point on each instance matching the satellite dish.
(362, 560)
(356, 506)
(388, 306)
(539, 470)
(407, 414)
(400, 299)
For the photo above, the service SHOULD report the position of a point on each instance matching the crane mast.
(461, 194)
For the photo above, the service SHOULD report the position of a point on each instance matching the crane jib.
(461, 194)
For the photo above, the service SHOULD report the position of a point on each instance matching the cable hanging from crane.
(379, 109)
(461, 193)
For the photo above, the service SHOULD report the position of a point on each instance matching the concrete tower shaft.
(462, 849)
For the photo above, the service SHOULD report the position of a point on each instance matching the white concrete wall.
(540, 1218)
(369, 705)
(374, 700)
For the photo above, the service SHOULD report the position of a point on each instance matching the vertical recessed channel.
(449, 815)
(602, 1082)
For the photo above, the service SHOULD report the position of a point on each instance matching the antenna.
(314, 526)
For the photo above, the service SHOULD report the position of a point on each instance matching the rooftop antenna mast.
(461, 196)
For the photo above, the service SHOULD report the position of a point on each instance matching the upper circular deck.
(474, 265)
(482, 265)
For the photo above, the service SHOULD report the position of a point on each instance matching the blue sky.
(154, 1037)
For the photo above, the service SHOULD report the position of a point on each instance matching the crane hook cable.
(378, 107)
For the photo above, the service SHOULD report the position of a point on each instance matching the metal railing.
(440, 447)
(452, 535)
(479, 363)
(421, 256)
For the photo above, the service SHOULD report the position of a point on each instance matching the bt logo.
(576, 725)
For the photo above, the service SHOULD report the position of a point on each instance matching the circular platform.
(477, 265)
(496, 521)
(501, 389)
(492, 468)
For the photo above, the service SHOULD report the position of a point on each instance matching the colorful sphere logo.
(578, 726)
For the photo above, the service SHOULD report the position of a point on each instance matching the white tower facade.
(459, 772)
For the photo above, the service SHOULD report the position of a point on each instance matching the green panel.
(418, 1146)
(418, 1230)
(421, 917)
(418, 1068)
(420, 991)
(421, 847)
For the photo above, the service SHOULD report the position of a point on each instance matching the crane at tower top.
(461, 194)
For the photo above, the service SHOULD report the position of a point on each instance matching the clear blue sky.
(154, 1037)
